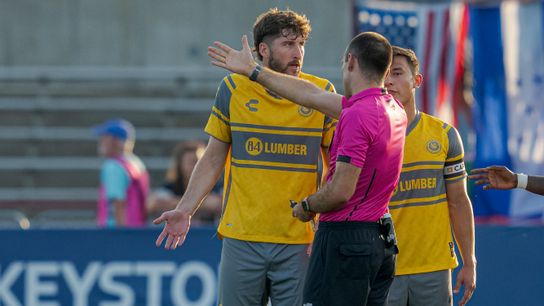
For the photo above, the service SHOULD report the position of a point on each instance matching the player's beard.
(278, 67)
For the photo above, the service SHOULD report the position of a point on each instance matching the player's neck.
(411, 110)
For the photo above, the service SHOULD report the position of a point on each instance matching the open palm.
(224, 56)
(175, 230)
(494, 177)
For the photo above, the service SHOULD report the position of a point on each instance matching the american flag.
(437, 34)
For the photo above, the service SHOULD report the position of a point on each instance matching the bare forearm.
(203, 178)
(301, 92)
(289, 87)
(337, 191)
(535, 184)
(325, 200)
(462, 220)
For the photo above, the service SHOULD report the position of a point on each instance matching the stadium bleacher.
(48, 160)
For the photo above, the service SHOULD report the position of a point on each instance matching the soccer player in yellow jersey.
(429, 202)
(270, 149)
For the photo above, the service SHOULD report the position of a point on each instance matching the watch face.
(305, 205)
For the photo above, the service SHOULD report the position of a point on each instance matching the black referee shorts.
(348, 266)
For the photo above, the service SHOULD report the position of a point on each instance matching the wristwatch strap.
(255, 73)
(305, 204)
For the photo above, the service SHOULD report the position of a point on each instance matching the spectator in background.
(184, 158)
(500, 177)
(124, 181)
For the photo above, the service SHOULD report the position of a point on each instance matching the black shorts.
(349, 265)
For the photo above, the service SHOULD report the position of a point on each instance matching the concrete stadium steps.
(74, 141)
(52, 178)
(70, 172)
(48, 197)
(85, 133)
(193, 82)
(87, 147)
(47, 148)
(151, 112)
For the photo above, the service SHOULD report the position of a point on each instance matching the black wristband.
(255, 73)
(305, 205)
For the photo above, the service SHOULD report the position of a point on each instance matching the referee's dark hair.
(373, 53)
(275, 23)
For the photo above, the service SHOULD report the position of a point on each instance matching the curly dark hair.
(275, 22)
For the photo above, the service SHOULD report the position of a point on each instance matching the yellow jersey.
(433, 157)
(274, 157)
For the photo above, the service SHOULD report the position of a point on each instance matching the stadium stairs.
(49, 167)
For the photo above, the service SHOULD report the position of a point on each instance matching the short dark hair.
(374, 54)
(274, 22)
(410, 56)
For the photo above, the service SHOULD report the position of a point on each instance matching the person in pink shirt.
(353, 255)
(124, 180)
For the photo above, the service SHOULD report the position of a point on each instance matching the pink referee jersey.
(370, 135)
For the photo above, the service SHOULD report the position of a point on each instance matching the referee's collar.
(374, 91)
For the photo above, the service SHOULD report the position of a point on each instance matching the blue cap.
(118, 128)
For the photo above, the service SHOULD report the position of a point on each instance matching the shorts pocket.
(354, 260)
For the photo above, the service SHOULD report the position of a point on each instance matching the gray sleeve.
(222, 97)
(454, 167)
(455, 148)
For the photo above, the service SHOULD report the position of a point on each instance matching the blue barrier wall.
(93, 267)
(123, 267)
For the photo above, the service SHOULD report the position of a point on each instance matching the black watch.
(305, 205)
(255, 73)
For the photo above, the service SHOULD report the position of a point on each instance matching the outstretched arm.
(204, 176)
(500, 177)
(295, 89)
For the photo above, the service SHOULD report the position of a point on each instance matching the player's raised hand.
(175, 230)
(494, 177)
(240, 62)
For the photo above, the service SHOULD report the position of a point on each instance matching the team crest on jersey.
(305, 111)
(433, 146)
